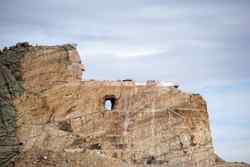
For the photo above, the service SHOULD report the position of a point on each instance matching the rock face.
(10, 88)
(50, 117)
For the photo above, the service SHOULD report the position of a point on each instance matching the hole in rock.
(109, 102)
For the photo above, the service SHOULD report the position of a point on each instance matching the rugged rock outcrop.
(50, 117)
(10, 88)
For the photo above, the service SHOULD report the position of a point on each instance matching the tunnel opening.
(109, 102)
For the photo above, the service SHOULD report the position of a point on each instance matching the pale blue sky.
(202, 45)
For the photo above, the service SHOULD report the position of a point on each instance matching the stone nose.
(82, 67)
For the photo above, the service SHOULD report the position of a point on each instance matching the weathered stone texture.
(9, 88)
(62, 121)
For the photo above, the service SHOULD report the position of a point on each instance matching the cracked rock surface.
(50, 117)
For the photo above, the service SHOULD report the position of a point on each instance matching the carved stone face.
(76, 66)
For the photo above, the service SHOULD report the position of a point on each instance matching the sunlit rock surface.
(50, 117)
